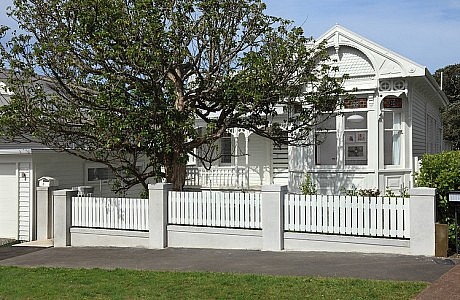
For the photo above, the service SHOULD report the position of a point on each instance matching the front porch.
(243, 161)
(218, 177)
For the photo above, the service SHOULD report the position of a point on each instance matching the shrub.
(308, 187)
(354, 191)
(441, 171)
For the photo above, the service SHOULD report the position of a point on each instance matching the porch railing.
(217, 177)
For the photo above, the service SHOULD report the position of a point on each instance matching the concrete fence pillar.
(45, 212)
(422, 221)
(158, 215)
(273, 217)
(62, 216)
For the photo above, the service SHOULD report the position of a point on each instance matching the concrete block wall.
(272, 236)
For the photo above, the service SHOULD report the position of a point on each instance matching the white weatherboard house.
(21, 167)
(375, 143)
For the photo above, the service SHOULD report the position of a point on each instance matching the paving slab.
(446, 287)
(325, 264)
(7, 252)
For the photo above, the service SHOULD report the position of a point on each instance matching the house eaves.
(386, 63)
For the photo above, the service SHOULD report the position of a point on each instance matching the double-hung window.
(226, 149)
(352, 127)
(326, 142)
(392, 130)
(392, 137)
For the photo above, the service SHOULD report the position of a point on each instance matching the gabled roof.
(385, 62)
(364, 57)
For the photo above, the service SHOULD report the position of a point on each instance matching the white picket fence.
(344, 215)
(215, 208)
(110, 213)
(348, 215)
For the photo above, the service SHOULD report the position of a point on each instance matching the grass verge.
(59, 283)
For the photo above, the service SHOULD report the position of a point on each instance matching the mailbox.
(47, 181)
(454, 197)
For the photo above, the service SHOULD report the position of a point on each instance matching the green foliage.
(122, 82)
(389, 192)
(451, 124)
(308, 187)
(58, 283)
(451, 114)
(369, 192)
(450, 81)
(441, 171)
(354, 191)
(403, 192)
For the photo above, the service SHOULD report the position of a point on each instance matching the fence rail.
(348, 215)
(110, 213)
(215, 208)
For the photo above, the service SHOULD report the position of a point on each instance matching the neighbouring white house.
(375, 142)
(21, 167)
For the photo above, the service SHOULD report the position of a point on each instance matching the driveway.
(325, 264)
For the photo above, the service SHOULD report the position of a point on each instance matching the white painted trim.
(15, 151)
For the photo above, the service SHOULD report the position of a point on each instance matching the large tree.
(123, 81)
(450, 77)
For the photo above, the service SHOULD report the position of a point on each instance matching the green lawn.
(58, 283)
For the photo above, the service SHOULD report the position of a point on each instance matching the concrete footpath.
(325, 264)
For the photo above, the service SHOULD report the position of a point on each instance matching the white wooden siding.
(418, 123)
(67, 169)
(280, 164)
(25, 208)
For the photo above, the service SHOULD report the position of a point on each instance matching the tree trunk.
(175, 170)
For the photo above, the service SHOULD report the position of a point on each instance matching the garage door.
(8, 201)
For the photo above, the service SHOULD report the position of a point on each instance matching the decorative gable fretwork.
(351, 62)
(4, 89)
(387, 85)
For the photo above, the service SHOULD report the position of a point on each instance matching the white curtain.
(396, 138)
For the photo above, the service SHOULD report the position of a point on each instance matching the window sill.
(348, 169)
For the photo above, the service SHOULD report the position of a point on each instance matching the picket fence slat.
(348, 215)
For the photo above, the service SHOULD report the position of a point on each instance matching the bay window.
(343, 140)
(355, 138)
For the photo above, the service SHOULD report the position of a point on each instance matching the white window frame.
(326, 132)
(357, 141)
(228, 156)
